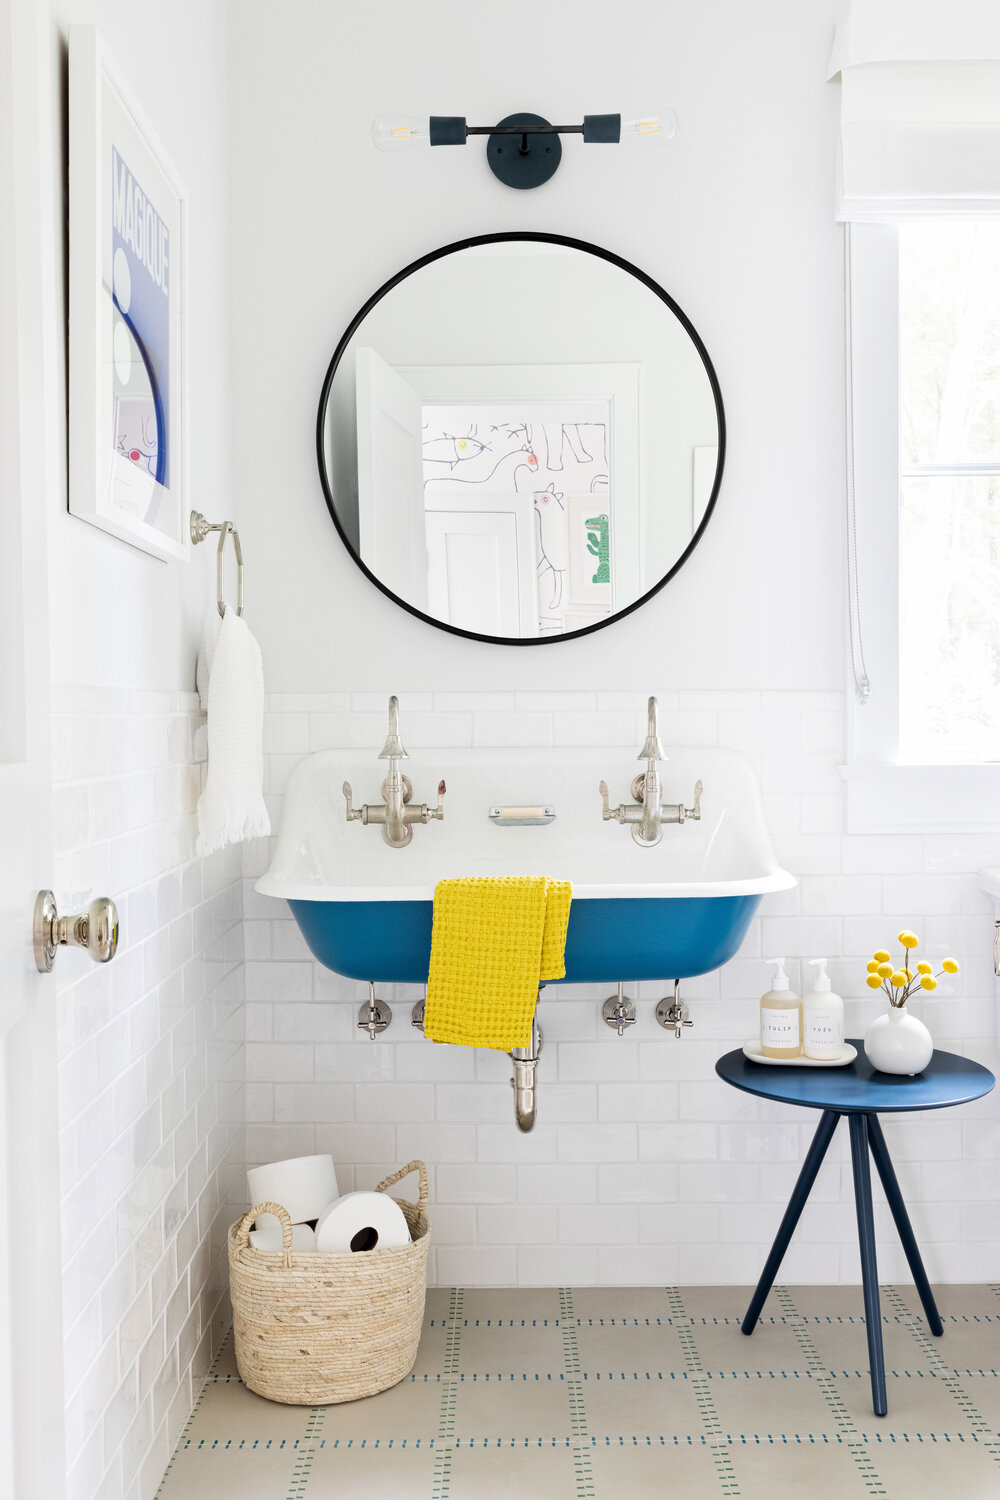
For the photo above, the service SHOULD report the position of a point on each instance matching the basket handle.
(412, 1166)
(283, 1217)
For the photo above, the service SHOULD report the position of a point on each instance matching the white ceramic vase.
(898, 1042)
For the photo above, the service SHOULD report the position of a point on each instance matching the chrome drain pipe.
(525, 1060)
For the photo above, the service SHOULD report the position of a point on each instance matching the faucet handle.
(609, 813)
(438, 812)
(695, 812)
(353, 813)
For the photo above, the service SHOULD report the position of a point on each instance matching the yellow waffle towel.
(494, 940)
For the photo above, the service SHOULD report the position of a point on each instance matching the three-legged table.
(862, 1094)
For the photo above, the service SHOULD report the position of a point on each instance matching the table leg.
(885, 1170)
(797, 1202)
(869, 1267)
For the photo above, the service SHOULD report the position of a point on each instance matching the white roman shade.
(920, 107)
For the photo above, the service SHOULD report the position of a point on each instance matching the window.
(949, 490)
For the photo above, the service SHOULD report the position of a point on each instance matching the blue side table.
(862, 1094)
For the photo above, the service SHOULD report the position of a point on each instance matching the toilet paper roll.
(267, 1236)
(304, 1186)
(361, 1221)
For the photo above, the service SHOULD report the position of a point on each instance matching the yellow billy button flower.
(898, 980)
(923, 968)
(909, 939)
(884, 971)
(949, 966)
(882, 957)
(928, 982)
(872, 966)
(873, 982)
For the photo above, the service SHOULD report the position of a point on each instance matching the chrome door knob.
(95, 930)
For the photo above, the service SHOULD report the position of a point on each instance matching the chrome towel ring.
(199, 531)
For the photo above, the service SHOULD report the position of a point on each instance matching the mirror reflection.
(520, 438)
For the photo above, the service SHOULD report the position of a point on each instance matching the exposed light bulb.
(660, 122)
(397, 132)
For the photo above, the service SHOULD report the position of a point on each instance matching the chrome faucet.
(396, 814)
(647, 812)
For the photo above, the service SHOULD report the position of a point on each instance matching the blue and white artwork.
(141, 283)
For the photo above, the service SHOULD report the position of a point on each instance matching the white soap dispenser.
(822, 1018)
(780, 1017)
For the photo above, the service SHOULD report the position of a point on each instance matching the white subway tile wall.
(643, 1166)
(151, 1076)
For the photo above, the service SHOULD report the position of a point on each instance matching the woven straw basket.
(315, 1329)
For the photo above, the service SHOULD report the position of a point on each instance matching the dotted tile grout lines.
(194, 1411)
(853, 1440)
(444, 1445)
(582, 1470)
(929, 1347)
(721, 1458)
(306, 1455)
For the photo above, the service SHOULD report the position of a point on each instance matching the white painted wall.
(735, 220)
(119, 617)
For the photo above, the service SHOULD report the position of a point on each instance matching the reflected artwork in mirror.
(521, 438)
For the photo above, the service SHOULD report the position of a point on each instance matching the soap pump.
(780, 1016)
(822, 1018)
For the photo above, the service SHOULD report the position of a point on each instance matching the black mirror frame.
(572, 244)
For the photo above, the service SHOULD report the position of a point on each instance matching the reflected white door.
(31, 1388)
(481, 564)
(390, 479)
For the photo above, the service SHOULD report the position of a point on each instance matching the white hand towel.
(231, 684)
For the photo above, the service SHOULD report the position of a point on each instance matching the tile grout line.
(444, 1444)
(306, 1455)
(582, 1470)
(853, 1441)
(721, 1458)
(194, 1412)
(949, 1379)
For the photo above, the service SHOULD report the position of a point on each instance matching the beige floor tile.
(715, 1302)
(932, 1471)
(521, 1408)
(511, 1345)
(409, 1410)
(842, 1344)
(770, 1349)
(635, 1302)
(228, 1412)
(982, 1389)
(356, 1471)
(231, 1472)
(629, 1344)
(225, 1360)
(644, 1423)
(498, 1471)
(771, 1405)
(654, 1470)
(504, 1303)
(918, 1404)
(627, 1406)
(782, 1471)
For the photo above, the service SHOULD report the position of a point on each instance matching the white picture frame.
(127, 313)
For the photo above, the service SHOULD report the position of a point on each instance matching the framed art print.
(127, 288)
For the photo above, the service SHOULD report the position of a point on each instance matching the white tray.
(752, 1051)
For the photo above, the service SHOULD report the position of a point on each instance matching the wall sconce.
(523, 150)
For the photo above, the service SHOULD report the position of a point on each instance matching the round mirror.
(521, 438)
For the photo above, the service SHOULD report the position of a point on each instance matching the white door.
(477, 577)
(390, 479)
(481, 563)
(31, 1386)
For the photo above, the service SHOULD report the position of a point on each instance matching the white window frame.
(885, 795)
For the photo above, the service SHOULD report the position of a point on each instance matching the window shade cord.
(859, 669)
